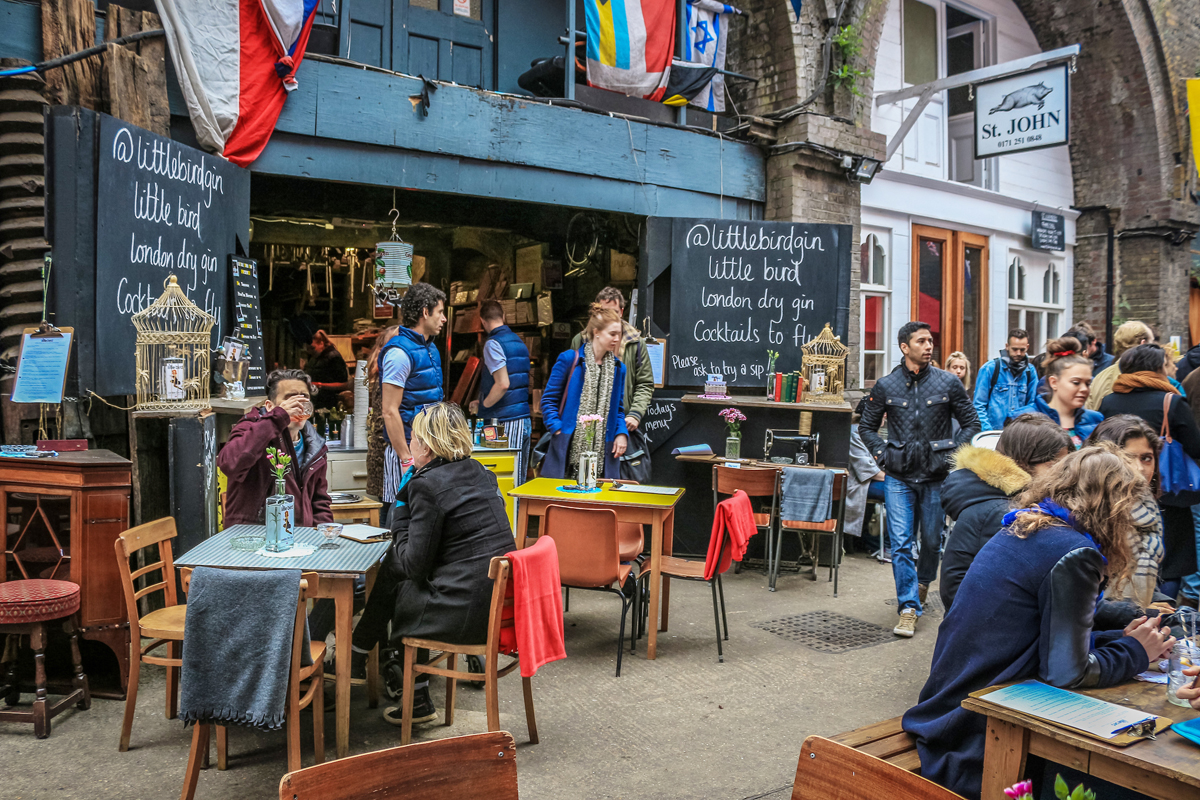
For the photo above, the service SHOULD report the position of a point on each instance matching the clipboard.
(42, 371)
(1119, 740)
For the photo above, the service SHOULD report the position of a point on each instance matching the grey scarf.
(594, 399)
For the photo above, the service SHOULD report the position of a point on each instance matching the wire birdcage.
(824, 368)
(174, 336)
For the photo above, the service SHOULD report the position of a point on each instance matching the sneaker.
(922, 592)
(423, 710)
(907, 625)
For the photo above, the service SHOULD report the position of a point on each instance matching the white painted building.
(945, 238)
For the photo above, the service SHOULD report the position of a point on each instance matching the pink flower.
(1020, 791)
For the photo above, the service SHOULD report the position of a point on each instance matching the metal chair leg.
(621, 634)
(717, 620)
(721, 593)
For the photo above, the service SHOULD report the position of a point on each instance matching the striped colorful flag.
(236, 61)
(629, 45)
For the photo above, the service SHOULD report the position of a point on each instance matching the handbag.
(635, 464)
(543, 444)
(1179, 474)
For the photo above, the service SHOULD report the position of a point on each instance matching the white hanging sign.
(1023, 112)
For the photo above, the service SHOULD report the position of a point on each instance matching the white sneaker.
(907, 625)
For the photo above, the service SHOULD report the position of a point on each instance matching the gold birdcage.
(174, 336)
(824, 368)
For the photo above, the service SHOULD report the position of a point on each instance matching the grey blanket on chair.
(807, 495)
(237, 646)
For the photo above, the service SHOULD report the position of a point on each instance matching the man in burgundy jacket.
(280, 423)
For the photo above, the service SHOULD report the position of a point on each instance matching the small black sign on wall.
(1048, 231)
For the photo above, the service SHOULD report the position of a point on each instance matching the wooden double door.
(950, 291)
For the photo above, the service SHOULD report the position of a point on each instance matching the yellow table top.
(548, 489)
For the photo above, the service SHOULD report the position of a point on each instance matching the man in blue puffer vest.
(504, 388)
(410, 369)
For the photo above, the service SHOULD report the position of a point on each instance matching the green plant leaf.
(1061, 790)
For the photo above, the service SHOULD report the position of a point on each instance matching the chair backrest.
(724, 549)
(501, 637)
(832, 771)
(483, 766)
(158, 533)
(586, 538)
(754, 481)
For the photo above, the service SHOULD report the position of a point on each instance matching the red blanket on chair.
(537, 606)
(736, 514)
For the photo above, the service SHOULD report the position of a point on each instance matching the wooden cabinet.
(60, 518)
(502, 464)
(347, 469)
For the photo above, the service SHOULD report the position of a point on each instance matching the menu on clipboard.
(658, 356)
(1088, 715)
(42, 366)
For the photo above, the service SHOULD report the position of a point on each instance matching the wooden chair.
(500, 571)
(589, 558)
(313, 695)
(832, 771)
(482, 766)
(695, 570)
(830, 527)
(887, 740)
(758, 482)
(163, 626)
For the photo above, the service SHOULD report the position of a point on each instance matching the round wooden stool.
(25, 607)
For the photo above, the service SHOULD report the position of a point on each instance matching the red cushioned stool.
(25, 607)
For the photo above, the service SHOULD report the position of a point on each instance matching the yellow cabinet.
(501, 463)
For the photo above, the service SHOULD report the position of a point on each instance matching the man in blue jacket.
(410, 369)
(504, 387)
(1006, 383)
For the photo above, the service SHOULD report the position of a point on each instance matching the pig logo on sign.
(1028, 96)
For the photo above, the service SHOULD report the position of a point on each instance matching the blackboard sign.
(162, 209)
(247, 319)
(663, 419)
(739, 288)
(1048, 231)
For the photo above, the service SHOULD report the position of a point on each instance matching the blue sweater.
(1023, 611)
(1086, 420)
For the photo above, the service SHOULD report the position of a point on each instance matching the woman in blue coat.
(593, 380)
(1068, 383)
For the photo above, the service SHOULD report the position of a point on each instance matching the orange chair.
(758, 482)
(589, 558)
(830, 527)
(830, 770)
(500, 571)
(313, 695)
(694, 570)
(163, 625)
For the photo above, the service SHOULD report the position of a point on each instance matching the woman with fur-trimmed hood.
(977, 493)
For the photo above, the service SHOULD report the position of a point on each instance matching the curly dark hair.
(419, 298)
(1120, 429)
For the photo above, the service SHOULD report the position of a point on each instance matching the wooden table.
(657, 510)
(69, 510)
(364, 510)
(1167, 768)
(338, 569)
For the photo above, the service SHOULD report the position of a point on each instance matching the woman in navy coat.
(593, 380)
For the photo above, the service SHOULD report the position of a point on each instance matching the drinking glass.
(331, 531)
(1185, 653)
(306, 412)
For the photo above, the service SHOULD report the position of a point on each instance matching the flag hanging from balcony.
(236, 61)
(629, 45)
(707, 33)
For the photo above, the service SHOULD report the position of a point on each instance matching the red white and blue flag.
(629, 45)
(236, 61)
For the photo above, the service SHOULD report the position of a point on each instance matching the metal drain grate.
(827, 631)
(933, 604)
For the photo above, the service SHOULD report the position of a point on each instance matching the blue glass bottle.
(281, 515)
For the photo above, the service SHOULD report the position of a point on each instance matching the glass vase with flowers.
(281, 506)
(733, 431)
(589, 457)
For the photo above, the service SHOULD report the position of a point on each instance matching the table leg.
(668, 548)
(656, 552)
(343, 599)
(522, 525)
(373, 656)
(1004, 757)
(374, 518)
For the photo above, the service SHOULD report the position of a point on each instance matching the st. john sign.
(1022, 112)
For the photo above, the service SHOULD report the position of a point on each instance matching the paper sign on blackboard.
(739, 288)
(247, 319)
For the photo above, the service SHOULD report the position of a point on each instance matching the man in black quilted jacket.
(920, 402)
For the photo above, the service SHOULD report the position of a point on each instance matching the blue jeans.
(913, 506)
(1191, 583)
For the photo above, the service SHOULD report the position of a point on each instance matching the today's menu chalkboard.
(247, 319)
(739, 288)
(162, 209)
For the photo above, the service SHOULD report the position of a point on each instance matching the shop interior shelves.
(753, 401)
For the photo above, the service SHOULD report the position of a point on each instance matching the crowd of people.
(1062, 558)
